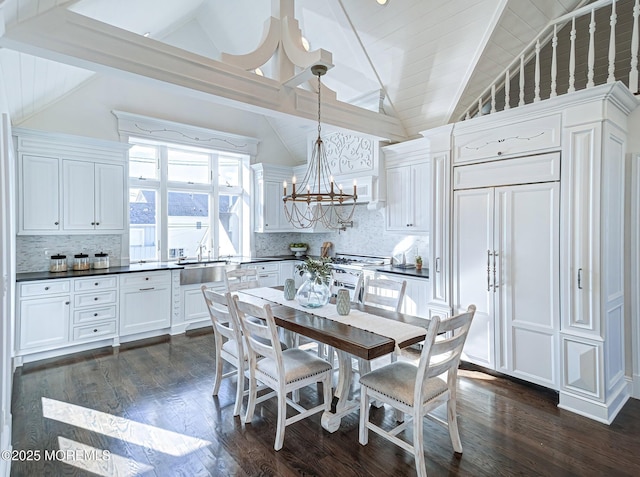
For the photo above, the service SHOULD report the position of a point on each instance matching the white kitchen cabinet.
(39, 184)
(93, 196)
(194, 308)
(69, 184)
(416, 294)
(268, 207)
(268, 273)
(95, 308)
(145, 302)
(408, 202)
(44, 311)
(287, 270)
(506, 262)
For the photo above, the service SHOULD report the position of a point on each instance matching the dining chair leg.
(452, 419)
(418, 444)
(218, 374)
(251, 403)
(363, 436)
(282, 417)
(239, 392)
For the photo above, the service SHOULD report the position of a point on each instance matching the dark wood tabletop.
(355, 341)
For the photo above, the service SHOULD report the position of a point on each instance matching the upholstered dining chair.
(228, 341)
(283, 371)
(241, 279)
(415, 391)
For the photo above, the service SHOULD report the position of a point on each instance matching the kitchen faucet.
(201, 247)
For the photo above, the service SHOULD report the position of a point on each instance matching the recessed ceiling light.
(147, 34)
(382, 2)
(305, 43)
(258, 71)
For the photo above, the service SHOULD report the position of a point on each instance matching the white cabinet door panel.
(473, 230)
(78, 195)
(44, 323)
(109, 205)
(39, 193)
(144, 310)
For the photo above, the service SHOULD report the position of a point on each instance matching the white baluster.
(633, 74)
(554, 63)
(536, 96)
(493, 98)
(521, 102)
(507, 89)
(480, 106)
(592, 54)
(612, 43)
(572, 57)
(467, 116)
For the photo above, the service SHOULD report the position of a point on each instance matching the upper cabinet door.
(78, 195)
(398, 198)
(39, 194)
(420, 205)
(109, 199)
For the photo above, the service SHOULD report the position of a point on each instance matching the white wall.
(87, 112)
(7, 277)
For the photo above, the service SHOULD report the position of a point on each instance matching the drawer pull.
(95, 330)
(146, 278)
(46, 288)
(66, 302)
(96, 284)
(146, 289)
(95, 314)
(95, 299)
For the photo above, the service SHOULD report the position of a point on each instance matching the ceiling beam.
(65, 36)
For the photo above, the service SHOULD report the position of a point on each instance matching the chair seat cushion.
(397, 381)
(231, 347)
(298, 364)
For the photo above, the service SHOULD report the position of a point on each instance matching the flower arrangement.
(319, 269)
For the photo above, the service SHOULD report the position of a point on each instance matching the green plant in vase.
(314, 292)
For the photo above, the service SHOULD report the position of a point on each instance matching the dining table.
(367, 332)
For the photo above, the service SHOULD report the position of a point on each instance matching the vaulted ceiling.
(416, 63)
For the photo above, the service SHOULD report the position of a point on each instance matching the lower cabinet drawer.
(93, 331)
(98, 298)
(95, 314)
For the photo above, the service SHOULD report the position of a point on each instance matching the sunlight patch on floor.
(145, 435)
(97, 461)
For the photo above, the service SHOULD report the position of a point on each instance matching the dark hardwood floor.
(151, 407)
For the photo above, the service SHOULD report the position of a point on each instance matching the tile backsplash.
(34, 251)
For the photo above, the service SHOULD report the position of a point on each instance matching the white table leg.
(340, 406)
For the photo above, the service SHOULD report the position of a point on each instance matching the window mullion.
(163, 213)
(214, 206)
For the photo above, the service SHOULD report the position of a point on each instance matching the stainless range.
(348, 269)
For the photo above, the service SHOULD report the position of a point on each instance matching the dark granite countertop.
(141, 267)
(409, 272)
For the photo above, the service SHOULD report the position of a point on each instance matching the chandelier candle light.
(319, 202)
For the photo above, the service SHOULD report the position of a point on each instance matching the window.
(177, 209)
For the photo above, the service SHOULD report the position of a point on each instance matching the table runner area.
(396, 330)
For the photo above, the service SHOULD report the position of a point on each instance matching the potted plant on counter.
(314, 292)
(418, 262)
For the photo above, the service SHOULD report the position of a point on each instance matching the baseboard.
(5, 444)
(604, 412)
(635, 386)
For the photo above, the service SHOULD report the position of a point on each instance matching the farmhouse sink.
(205, 272)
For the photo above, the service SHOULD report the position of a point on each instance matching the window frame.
(163, 186)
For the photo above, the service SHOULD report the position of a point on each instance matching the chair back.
(223, 317)
(384, 293)
(260, 332)
(442, 349)
(353, 283)
(241, 279)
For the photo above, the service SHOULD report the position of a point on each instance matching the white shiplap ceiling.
(428, 59)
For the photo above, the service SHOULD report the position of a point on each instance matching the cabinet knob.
(96, 284)
(95, 314)
(95, 299)
(66, 302)
(46, 288)
(93, 223)
(56, 223)
(95, 330)
(97, 223)
(146, 278)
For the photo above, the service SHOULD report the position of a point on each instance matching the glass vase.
(313, 293)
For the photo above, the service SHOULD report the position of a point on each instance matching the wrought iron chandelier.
(315, 199)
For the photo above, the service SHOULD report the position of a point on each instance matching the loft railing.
(611, 49)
